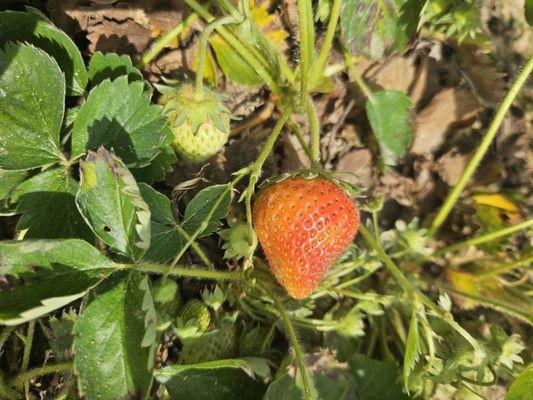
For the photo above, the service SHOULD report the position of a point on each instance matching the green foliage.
(389, 115)
(32, 107)
(111, 66)
(112, 358)
(31, 27)
(522, 387)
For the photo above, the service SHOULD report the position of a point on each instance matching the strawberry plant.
(257, 287)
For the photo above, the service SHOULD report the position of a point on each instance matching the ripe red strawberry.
(303, 225)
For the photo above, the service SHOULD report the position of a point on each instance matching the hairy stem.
(306, 47)
(187, 272)
(197, 249)
(320, 64)
(485, 238)
(314, 125)
(202, 53)
(358, 78)
(161, 43)
(452, 198)
(296, 346)
(19, 380)
(411, 288)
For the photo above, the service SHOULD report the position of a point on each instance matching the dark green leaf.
(55, 273)
(522, 387)
(8, 181)
(111, 66)
(284, 388)
(32, 28)
(199, 207)
(221, 379)
(158, 167)
(528, 11)
(110, 358)
(110, 202)
(378, 28)
(389, 113)
(48, 207)
(376, 380)
(32, 100)
(118, 116)
(60, 335)
(165, 241)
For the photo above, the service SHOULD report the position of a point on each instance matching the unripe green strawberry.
(212, 346)
(200, 123)
(303, 225)
(195, 309)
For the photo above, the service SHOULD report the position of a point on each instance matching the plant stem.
(6, 392)
(197, 249)
(188, 272)
(452, 198)
(27, 346)
(294, 127)
(306, 30)
(246, 54)
(507, 266)
(161, 43)
(411, 288)
(296, 346)
(208, 30)
(358, 79)
(320, 64)
(19, 380)
(314, 125)
(485, 238)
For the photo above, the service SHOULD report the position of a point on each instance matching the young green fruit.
(200, 123)
(303, 225)
(195, 309)
(211, 346)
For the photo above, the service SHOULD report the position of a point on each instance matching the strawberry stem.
(314, 125)
(20, 379)
(307, 39)
(452, 198)
(320, 64)
(296, 346)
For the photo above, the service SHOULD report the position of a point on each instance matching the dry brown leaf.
(397, 72)
(449, 109)
(451, 167)
(357, 168)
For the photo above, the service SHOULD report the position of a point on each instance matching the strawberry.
(303, 225)
(200, 124)
(198, 311)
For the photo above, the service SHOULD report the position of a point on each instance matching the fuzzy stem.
(358, 79)
(243, 51)
(485, 238)
(527, 261)
(410, 288)
(187, 272)
(296, 346)
(320, 65)
(19, 380)
(197, 249)
(306, 47)
(452, 198)
(27, 346)
(298, 134)
(161, 43)
(203, 51)
(314, 125)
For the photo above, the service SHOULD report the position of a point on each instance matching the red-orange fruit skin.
(303, 225)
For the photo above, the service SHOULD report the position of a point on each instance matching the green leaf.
(165, 241)
(284, 388)
(412, 350)
(377, 29)
(199, 207)
(48, 207)
(232, 64)
(60, 334)
(370, 377)
(158, 167)
(230, 379)
(110, 358)
(8, 181)
(389, 113)
(522, 387)
(528, 11)
(111, 66)
(32, 28)
(111, 204)
(55, 273)
(118, 116)
(32, 100)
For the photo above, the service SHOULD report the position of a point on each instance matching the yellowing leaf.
(496, 200)
(275, 34)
